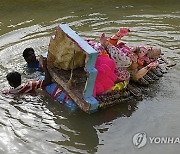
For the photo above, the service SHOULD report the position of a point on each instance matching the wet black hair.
(27, 51)
(14, 78)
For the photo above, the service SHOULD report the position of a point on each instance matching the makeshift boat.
(71, 63)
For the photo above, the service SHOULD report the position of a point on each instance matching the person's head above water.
(14, 79)
(29, 56)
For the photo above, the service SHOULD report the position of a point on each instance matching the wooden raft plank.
(78, 99)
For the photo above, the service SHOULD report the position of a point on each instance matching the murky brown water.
(38, 125)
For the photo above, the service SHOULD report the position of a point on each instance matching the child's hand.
(153, 64)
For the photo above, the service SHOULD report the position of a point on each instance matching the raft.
(71, 58)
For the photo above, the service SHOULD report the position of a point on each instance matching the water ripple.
(38, 124)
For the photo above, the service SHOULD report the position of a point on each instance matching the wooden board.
(67, 50)
(75, 92)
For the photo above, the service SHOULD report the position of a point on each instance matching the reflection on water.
(40, 125)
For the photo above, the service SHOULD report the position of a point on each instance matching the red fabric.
(140, 62)
(113, 41)
(28, 87)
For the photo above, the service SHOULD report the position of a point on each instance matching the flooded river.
(38, 125)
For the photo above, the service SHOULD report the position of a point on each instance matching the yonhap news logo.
(141, 139)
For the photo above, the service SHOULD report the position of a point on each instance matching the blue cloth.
(36, 67)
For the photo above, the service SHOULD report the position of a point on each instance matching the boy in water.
(14, 80)
(33, 63)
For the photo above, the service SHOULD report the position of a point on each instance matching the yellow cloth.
(120, 85)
